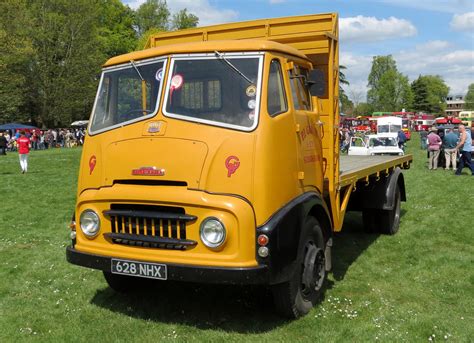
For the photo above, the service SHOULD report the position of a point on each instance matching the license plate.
(141, 269)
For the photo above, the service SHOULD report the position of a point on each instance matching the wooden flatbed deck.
(354, 168)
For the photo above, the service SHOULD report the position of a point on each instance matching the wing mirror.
(316, 83)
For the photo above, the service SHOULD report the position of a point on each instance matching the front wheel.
(297, 296)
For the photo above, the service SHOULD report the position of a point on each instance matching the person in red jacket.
(24, 145)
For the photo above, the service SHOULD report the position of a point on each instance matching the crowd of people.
(453, 143)
(23, 141)
(451, 147)
(42, 139)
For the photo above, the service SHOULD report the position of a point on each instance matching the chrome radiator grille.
(149, 226)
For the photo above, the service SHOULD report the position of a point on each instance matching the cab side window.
(276, 98)
(299, 92)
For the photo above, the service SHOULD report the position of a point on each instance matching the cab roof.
(206, 47)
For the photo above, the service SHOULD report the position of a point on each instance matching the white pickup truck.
(379, 144)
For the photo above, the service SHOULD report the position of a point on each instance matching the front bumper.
(231, 276)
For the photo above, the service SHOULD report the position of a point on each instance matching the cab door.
(307, 129)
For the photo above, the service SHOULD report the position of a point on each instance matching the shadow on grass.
(241, 309)
(229, 308)
(349, 244)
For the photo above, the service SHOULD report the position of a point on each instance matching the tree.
(153, 17)
(183, 20)
(116, 31)
(389, 90)
(362, 109)
(15, 51)
(430, 92)
(152, 14)
(420, 95)
(394, 92)
(469, 98)
(346, 104)
(380, 65)
(63, 70)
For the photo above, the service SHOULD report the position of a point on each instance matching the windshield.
(383, 141)
(127, 95)
(388, 128)
(209, 90)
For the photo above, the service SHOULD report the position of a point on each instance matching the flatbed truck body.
(213, 156)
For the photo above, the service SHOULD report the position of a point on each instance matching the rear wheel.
(383, 221)
(389, 220)
(297, 296)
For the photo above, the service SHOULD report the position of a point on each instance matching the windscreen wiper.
(136, 69)
(221, 56)
(144, 90)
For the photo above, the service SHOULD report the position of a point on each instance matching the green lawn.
(416, 286)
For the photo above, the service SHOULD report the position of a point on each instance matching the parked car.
(375, 145)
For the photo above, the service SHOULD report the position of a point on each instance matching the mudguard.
(284, 230)
(379, 194)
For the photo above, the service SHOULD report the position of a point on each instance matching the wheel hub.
(314, 269)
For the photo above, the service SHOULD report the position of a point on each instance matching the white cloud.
(277, 1)
(434, 46)
(371, 29)
(207, 14)
(358, 69)
(463, 22)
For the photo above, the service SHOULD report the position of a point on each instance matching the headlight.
(212, 232)
(90, 223)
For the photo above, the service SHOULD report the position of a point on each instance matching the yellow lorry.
(213, 156)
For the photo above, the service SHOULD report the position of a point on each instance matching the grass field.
(416, 286)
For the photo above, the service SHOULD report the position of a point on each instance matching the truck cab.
(188, 156)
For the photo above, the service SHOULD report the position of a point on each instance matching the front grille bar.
(147, 228)
(150, 214)
(152, 242)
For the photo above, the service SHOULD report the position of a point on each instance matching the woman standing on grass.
(24, 145)
(434, 144)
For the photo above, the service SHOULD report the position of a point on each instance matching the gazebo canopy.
(16, 126)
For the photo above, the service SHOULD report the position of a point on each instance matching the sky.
(425, 37)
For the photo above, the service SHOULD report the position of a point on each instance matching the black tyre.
(122, 283)
(389, 220)
(296, 297)
(386, 222)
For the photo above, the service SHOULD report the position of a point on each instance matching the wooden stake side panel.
(310, 34)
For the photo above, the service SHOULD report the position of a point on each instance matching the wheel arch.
(322, 216)
(285, 232)
(396, 179)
